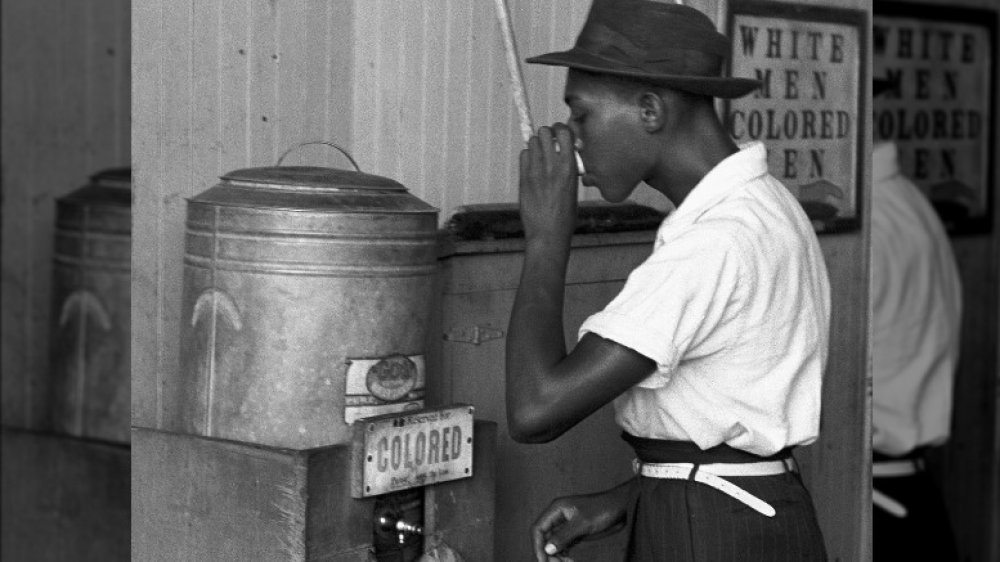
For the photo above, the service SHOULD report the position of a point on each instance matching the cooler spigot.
(390, 522)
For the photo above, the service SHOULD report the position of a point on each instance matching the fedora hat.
(669, 44)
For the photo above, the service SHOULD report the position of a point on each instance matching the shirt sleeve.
(676, 304)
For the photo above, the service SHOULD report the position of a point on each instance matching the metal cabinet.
(478, 284)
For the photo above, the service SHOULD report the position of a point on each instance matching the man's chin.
(609, 194)
(613, 197)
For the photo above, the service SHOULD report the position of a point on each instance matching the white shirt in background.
(734, 307)
(916, 300)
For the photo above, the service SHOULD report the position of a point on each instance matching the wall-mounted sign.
(396, 452)
(809, 110)
(939, 112)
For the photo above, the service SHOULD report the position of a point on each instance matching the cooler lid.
(113, 177)
(107, 188)
(312, 177)
(311, 189)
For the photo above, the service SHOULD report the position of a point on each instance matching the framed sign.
(941, 61)
(399, 451)
(809, 108)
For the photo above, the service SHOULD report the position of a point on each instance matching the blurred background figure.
(916, 296)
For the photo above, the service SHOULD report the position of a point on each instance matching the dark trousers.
(686, 521)
(925, 533)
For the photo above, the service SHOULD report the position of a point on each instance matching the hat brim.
(715, 86)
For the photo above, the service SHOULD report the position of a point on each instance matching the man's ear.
(652, 111)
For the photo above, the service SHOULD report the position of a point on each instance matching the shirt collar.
(885, 161)
(740, 167)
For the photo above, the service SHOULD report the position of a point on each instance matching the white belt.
(711, 475)
(889, 469)
(885, 502)
(893, 469)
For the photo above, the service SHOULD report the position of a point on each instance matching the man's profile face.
(609, 133)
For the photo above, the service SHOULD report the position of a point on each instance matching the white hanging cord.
(514, 69)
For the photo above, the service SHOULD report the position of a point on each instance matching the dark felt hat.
(668, 44)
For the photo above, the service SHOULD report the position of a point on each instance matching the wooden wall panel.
(66, 115)
(967, 467)
(218, 86)
(432, 102)
(837, 468)
(970, 468)
(17, 294)
(146, 299)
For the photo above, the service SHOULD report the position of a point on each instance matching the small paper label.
(383, 385)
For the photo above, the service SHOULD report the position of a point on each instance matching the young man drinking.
(713, 352)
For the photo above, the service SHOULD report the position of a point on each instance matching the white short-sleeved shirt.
(917, 303)
(733, 305)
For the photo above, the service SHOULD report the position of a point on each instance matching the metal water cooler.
(91, 327)
(301, 430)
(66, 485)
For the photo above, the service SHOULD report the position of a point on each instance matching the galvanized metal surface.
(291, 274)
(91, 309)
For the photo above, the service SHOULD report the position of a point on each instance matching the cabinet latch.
(474, 335)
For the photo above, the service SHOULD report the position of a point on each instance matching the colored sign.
(806, 112)
(411, 449)
(941, 64)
